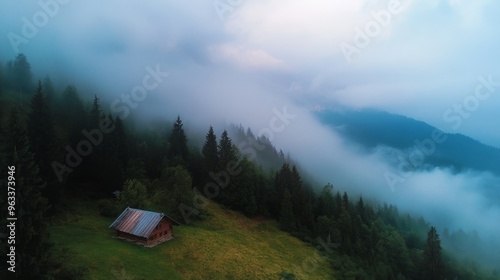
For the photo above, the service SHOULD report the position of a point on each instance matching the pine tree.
(32, 236)
(433, 263)
(243, 188)
(228, 153)
(110, 157)
(296, 190)
(44, 145)
(71, 114)
(94, 165)
(209, 151)
(49, 91)
(282, 180)
(95, 116)
(41, 134)
(178, 150)
(228, 157)
(120, 138)
(287, 218)
(22, 77)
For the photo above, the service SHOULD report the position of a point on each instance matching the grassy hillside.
(226, 245)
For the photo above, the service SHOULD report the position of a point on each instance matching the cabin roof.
(138, 222)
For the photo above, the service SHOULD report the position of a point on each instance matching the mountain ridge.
(372, 128)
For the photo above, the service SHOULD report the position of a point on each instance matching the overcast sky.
(420, 61)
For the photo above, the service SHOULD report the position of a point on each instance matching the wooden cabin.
(144, 227)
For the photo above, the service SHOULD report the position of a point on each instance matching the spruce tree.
(71, 114)
(41, 134)
(228, 153)
(210, 154)
(49, 91)
(22, 77)
(95, 114)
(228, 158)
(178, 150)
(433, 263)
(287, 218)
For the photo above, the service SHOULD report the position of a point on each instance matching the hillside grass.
(227, 245)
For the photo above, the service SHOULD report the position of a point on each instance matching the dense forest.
(66, 144)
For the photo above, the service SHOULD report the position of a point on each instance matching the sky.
(254, 62)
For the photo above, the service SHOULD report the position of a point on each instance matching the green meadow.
(227, 245)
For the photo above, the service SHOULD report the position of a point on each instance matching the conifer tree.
(21, 75)
(178, 150)
(433, 263)
(228, 157)
(41, 134)
(71, 114)
(227, 151)
(209, 152)
(48, 91)
(287, 218)
(95, 114)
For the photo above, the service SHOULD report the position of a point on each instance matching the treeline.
(63, 146)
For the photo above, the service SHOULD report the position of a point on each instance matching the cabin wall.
(131, 236)
(163, 230)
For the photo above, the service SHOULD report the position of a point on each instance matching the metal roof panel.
(137, 222)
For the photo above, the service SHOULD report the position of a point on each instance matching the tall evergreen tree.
(94, 165)
(71, 114)
(41, 133)
(433, 263)
(282, 180)
(209, 151)
(44, 144)
(49, 91)
(120, 138)
(287, 218)
(96, 115)
(228, 157)
(228, 153)
(112, 157)
(296, 190)
(244, 187)
(178, 150)
(22, 78)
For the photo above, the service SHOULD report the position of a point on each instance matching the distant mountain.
(371, 128)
